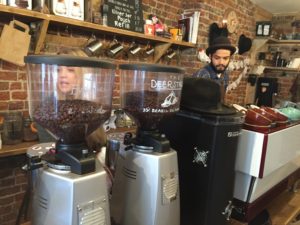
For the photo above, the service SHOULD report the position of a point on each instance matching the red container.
(266, 114)
(280, 118)
(258, 128)
(254, 117)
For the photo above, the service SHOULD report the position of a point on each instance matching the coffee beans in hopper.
(148, 108)
(71, 120)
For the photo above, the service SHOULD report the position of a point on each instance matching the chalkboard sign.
(124, 14)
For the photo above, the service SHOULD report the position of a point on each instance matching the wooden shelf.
(115, 31)
(14, 11)
(161, 44)
(282, 68)
(262, 44)
(21, 148)
(276, 41)
(17, 149)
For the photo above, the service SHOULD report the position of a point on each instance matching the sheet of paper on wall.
(14, 42)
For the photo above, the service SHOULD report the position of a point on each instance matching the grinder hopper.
(150, 93)
(70, 97)
(148, 175)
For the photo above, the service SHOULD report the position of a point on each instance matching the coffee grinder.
(69, 97)
(149, 93)
(205, 135)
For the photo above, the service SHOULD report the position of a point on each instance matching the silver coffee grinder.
(69, 97)
(149, 93)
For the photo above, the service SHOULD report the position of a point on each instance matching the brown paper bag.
(14, 43)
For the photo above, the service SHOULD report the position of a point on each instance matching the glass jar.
(12, 128)
(28, 133)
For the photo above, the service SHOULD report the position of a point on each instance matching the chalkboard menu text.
(124, 14)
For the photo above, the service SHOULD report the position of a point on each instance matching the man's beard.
(218, 70)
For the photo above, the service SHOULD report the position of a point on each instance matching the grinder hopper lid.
(203, 96)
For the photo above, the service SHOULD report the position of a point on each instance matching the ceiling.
(279, 6)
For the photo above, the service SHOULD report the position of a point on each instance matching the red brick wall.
(13, 87)
(285, 82)
(213, 11)
(13, 183)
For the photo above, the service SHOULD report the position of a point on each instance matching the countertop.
(16, 149)
(21, 148)
(282, 210)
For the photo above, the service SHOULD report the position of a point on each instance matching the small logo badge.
(171, 99)
(233, 134)
(200, 157)
(228, 210)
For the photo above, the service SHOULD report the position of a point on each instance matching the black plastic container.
(265, 90)
(206, 146)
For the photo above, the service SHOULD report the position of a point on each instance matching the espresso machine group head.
(149, 93)
(69, 98)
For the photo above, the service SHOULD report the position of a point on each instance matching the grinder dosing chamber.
(149, 170)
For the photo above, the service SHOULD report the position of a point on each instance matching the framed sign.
(263, 28)
(124, 14)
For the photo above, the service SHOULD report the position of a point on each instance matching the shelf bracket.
(41, 35)
(160, 49)
(66, 41)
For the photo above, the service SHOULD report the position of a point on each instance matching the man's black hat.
(244, 44)
(220, 42)
(202, 95)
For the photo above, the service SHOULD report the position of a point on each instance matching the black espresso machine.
(204, 133)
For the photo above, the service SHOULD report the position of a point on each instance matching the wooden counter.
(17, 149)
(282, 209)
(285, 208)
(21, 148)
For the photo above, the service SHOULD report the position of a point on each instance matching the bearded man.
(219, 52)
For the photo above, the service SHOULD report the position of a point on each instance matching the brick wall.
(13, 94)
(13, 87)
(285, 82)
(213, 12)
(13, 184)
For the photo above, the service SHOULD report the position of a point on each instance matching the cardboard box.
(24, 4)
(68, 8)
